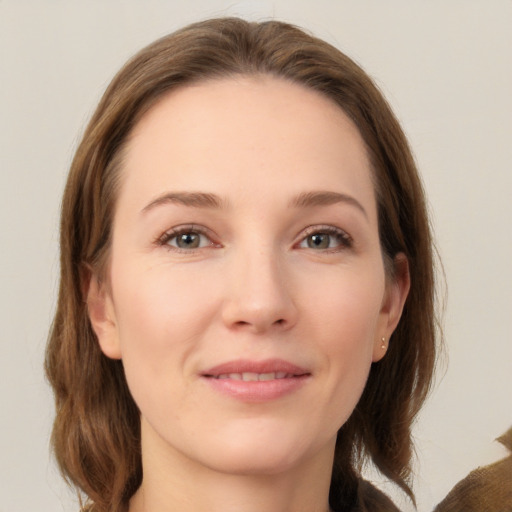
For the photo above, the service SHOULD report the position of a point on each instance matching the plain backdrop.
(444, 65)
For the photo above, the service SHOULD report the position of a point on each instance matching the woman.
(245, 312)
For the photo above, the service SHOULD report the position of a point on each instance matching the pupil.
(188, 240)
(320, 240)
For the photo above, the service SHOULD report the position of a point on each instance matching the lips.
(252, 377)
(279, 367)
(256, 381)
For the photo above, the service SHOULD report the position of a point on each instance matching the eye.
(325, 238)
(186, 238)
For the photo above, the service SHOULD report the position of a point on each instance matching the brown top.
(486, 489)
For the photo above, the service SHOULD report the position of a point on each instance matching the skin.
(272, 277)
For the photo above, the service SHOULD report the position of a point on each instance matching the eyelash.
(345, 241)
(164, 239)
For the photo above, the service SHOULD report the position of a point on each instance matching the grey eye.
(319, 241)
(324, 238)
(189, 240)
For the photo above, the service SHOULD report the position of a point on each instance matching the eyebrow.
(325, 198)
(191, 199)
(213, 201)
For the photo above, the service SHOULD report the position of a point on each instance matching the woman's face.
(246, 291)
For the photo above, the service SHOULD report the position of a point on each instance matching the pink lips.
(256, 381)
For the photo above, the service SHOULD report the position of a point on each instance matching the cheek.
(161, 319)
(157, 306)
(345, 319)
(164, 317)
(347, 306)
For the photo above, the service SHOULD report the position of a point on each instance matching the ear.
(397, 289)
(102, 317)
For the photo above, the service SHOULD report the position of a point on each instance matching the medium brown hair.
(96, 435)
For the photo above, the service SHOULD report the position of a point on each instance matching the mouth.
(256, 381)
(248, 370)
(253, 377)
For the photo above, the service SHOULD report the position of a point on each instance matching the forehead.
(248, 132)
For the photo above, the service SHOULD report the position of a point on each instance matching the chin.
(260, 452)
(254, 463)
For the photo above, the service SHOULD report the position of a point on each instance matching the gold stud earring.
(383, 346)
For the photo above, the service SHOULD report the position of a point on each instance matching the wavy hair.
(96, 434)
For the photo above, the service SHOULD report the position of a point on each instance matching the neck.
(174, 482)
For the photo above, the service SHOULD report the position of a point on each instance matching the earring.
(383, 346)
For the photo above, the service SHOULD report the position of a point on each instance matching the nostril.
(260, 326)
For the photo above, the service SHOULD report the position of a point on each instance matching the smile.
(251, 377)
(256, 381)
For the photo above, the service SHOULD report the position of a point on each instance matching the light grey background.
(445, 66)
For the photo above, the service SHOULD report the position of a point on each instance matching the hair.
(96, 434)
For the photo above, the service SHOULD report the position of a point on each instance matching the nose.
(259, 294)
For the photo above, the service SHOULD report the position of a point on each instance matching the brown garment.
(486, 489)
